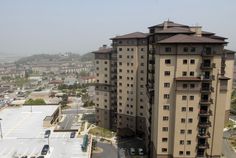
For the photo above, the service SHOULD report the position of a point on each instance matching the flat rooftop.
(23, 134)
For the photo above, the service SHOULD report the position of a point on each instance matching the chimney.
(197, 30)
(165, 25)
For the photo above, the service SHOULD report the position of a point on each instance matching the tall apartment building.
(173, 88)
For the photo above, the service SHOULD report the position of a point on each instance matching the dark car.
(47, 133)
(45, 150)
(40, 157)
(72, 134)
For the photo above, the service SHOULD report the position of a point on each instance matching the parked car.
(132, 151)
(47, 133)
(72, 134)
(40, 157)
(140, 151)
(45, 150)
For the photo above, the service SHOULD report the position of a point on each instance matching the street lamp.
(1, 128)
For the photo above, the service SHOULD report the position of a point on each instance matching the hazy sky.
(52, 26)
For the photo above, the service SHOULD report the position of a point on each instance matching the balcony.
(207, 65)
(151, 71)
(203, 145)
(204, 124)
(205, 135)
(152, 61)
(207, 54)
(205, 113)
(208, 78)
(206, 101)
(207, 89)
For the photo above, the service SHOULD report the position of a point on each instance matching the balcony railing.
(204, 124)
(207, 89)
(205, 135)
(203, 145)
(207, 65)
(205, 113)
(208, 78)
(206, 101)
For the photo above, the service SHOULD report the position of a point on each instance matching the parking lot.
(23, 134)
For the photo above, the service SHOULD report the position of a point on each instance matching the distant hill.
(87, 57)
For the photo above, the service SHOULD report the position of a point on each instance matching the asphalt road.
(79, 111)
(109, 151)
(68, 121)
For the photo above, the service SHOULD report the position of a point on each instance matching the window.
(166, 96)
(187, 152)
(185, 49)
(182, 131)
(184, 97)
(183, 109)
(192, 61)
(127, 49)
(164, 150)
(142, 49)
(193, 49)
(192, 86)
(190, 109)
(97, 62)
(167, 61)
(120, 63)
(166, 107)
(120, 49)
(165, 118)
(191, 73)
(185, 61)
(184, 73)
(120, 70)
(168, 49)
(181, 142)
(182, 120)
(105, 69)
(181, 152)
(165, 129)
(189, 131)
(190, 120)
(191, 97)
(164, 139)
(142, 56)
(185, 86)
(141, 114)
(142, 64)
(141, 107)
(166, 85)
(189, 142)
(167, 73)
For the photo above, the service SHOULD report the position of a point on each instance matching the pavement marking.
(17, 125)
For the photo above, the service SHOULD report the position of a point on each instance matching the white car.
(132, 151)
(140, 151)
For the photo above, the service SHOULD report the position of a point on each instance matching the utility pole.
(1, 128)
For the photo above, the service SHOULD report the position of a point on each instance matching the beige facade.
(172, 87)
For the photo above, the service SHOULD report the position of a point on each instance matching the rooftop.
(181, 38)
(134, 35)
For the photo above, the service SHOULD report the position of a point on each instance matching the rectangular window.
(190, 109)
(166, 85)
(167, 61)
(165, 118)
(166, 96)
(189, 142)
(185, 86)
(184, 97)
(168, 49)
(191, 73)
(181, 152)
(184, 73)
(185, 49)
(183, 109)
(192, 61)
(185, 61)
(182, 131)
(120, 49)
(193, 49)
(164, 139)
(167, 73)
(189, 131)
(191, 97)
(166, 107)
(182, 120)
(165, 129)
(188, 153)
(164, 150)
(181, 142)
(192, 86)
(190, 120)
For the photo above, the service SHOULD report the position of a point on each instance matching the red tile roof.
(133, 35)
(181, 38)
(169, 24)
